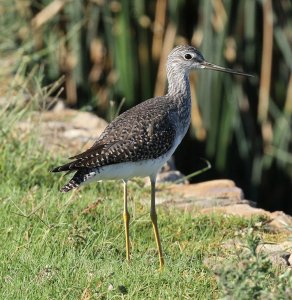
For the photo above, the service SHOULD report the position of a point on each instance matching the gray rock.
(202, 195)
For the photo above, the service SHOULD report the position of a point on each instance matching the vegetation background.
(113, 53)
(99, 56)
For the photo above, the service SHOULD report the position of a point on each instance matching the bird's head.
(186, 58)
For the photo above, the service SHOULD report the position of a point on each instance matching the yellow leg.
(126, 216)
(153, 216)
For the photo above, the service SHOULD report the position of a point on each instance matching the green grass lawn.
(53, 249)
(71, 246)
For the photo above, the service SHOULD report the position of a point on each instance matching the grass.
(56, 246)
(71, 246)
(54, 251)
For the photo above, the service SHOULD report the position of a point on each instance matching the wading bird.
(139, 141)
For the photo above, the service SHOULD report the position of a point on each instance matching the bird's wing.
(128, 138)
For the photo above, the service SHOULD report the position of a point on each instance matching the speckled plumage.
(148, 131)
(142, 139)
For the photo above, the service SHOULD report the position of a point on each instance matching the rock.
(59, 106)
(64, 131)
(280, 222)
(89, 121)
(290, 260)
(279, 253)
(173, 176)
(221, 196)
(169, 166)
(169, 174)
(238, 209)
(201, 195)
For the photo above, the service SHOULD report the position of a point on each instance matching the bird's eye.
(188, 56)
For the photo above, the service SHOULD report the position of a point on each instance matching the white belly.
(142, 168)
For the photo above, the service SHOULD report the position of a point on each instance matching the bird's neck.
(179, 95)
(178, 83)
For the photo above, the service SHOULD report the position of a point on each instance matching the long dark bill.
(207, 65)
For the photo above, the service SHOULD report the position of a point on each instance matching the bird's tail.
(72, 184)
(79, 178)
(66, 167)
